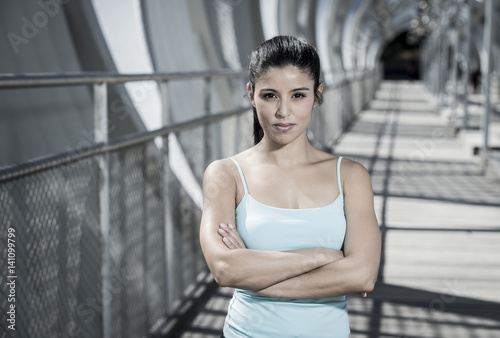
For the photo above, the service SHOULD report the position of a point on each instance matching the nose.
(283, 109)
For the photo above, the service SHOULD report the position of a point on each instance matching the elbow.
(369, 284)
(220, 272)
(225, 271)
(367, 280)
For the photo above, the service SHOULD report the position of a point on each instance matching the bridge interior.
(111, 110)
(438, 215)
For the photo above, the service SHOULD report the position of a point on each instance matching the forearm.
(339, 278)
(255, 270)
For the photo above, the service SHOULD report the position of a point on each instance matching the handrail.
(47, 162)
(9, 81)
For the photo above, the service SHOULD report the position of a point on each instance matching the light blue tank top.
(263, 227)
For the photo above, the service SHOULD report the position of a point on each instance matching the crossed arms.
(306, 273)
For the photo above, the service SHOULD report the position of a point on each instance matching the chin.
(283, 141)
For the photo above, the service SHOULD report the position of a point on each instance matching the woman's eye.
(298, 95)
(268, 96)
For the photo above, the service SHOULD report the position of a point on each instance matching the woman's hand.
(231, 237)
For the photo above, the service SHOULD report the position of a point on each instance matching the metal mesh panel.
(328, 120)
(346, 102)
(155, 241)
(54, 214)
(188, 261)
(226, 138)
(220, 139)
(236, 134)
(58, 249)
(193, 143)
(359, 96)
(137, 291)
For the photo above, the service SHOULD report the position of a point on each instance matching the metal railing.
(111, 318)
(106, 235)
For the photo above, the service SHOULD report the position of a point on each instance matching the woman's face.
(284, 99)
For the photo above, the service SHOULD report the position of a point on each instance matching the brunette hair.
(279, 52)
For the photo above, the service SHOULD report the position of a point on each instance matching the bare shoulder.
(350, 167)
(354, 173)
(218, 166)
(221, 171)
(220, 176)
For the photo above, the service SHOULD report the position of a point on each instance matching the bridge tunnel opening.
(401, 58)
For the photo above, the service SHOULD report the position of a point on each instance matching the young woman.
(290, 227)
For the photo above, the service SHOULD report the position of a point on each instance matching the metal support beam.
(443, 59)
(207, 153)
(167, 204)
(486, 73)
(101, 136)
(454, 65)
(464, 62)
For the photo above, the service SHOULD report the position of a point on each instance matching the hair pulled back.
(279, 52)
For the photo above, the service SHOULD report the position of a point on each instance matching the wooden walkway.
(440, 222)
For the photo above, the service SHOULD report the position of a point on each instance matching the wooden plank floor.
(440, 223)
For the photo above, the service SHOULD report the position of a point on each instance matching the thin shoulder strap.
(338, 175)
(241, 175)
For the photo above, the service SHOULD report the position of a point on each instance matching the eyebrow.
(275, 91)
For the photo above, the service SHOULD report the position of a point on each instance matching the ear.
(250, 94)
(319, 92)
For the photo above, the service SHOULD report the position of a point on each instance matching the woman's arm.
(244, 268)
(357, 271)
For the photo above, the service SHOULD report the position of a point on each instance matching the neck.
(288, 155)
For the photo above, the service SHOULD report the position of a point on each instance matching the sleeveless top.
(264, 227)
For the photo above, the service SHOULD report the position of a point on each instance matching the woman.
(306, 233)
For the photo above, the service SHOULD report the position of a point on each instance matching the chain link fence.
(59, 244)
(57, 260)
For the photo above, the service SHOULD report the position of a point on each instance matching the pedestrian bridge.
(110, 112)
(439, 216)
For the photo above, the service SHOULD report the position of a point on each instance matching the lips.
(283, 127)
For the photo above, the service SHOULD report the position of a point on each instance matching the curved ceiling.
(349, 34)
(193, 35)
